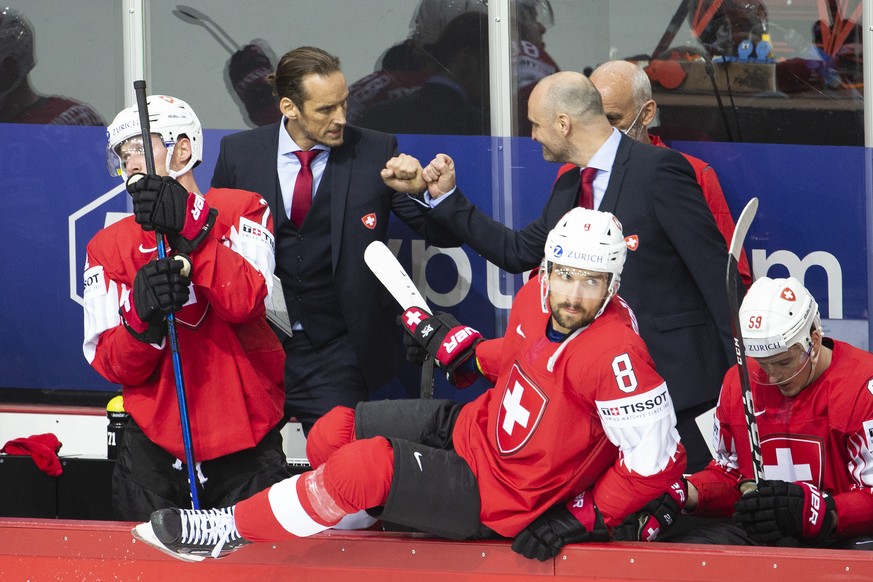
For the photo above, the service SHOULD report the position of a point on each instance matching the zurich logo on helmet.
(557, 251)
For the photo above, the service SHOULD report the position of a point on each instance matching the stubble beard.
(570, 322)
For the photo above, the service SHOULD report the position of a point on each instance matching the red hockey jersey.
(232, 362)
(563, 417)
(822, 436)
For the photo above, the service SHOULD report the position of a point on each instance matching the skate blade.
(144, 533)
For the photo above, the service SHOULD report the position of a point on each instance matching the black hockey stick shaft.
(740, 232)
(427, 378)
(194, 16)
(139, 88)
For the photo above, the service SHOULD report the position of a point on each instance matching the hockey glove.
(450, 343)
(560, 525)
(160, 288)
(160, 203)
(655, 518)
(777, 509)
(415, 353)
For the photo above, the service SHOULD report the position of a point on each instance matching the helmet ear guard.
(169, 117)
(777, 314)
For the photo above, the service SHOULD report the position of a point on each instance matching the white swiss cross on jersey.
(521, 408)
(793, 458)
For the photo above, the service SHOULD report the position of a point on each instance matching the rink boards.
(50, 549)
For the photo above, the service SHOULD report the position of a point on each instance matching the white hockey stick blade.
(742, 228)
(393, 276)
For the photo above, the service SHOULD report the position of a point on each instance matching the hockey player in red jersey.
(813, 399)
(578, 426)
(231, 360)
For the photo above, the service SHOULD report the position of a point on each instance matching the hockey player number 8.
(624, 373)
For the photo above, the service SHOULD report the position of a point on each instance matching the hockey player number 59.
(624, 373)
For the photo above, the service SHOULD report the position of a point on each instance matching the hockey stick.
(394, 278)
(139, 88)
(740, 232)
(193, 16)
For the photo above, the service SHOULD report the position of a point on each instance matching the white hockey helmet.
(589, 240)
(169, 117)
(16, 43)
(775, 315)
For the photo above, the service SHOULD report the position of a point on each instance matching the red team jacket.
(598, 415)
(822, 436)
(232, 363)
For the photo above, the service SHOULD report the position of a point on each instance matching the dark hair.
(296, 64)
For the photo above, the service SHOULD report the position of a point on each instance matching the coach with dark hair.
(321, 180)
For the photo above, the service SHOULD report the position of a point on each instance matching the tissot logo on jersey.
(653, 404)
(94, 282)
(254, 231)
(868, 430)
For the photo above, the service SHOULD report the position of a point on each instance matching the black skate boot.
(192, 534)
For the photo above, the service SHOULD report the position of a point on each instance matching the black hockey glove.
(655, 518)
(415, 353)
(450, 343)
(549, 533)
(160, 288)
(248, 70)
(777, 509)
(160, 203)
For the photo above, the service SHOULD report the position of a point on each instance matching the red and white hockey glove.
(160, 288)
(655, 518)
(576, 521)
(160, 203)
(450, 343)
(777, 509)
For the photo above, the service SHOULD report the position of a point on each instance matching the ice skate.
(191, 534)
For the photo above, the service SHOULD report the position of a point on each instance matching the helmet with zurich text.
(588, 240)
(170, 118)
(777, 314)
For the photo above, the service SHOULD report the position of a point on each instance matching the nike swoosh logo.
(519, 332)
(417, 456)
(143, 249)
(759, 412)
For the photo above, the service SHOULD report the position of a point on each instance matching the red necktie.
(586, 196)
(302, 198)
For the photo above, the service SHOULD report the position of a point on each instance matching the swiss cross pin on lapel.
(369, 220)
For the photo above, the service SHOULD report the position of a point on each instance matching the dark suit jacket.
(247, 160)
(674, 280)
